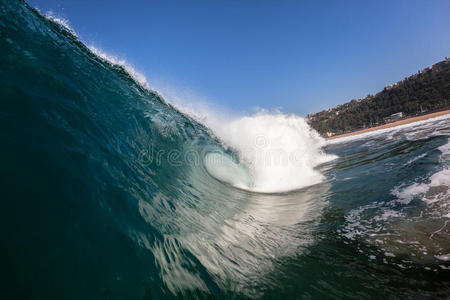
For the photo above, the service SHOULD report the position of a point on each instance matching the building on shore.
(394, 117)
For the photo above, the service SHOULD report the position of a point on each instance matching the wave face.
(108, 191)
(111, 188)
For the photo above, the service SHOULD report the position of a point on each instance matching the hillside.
(426, 91)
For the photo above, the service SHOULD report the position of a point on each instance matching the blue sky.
(300, 56)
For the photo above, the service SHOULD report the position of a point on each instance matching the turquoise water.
(109, 192)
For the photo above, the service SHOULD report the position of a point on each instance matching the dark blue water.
(106, 194)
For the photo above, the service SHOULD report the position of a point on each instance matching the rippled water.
(109, 192)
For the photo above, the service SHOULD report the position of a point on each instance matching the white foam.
(387, 130)
(280, 151)
(50, 15)
(441, 178)
(114, 60)
(416, 158)
(445, 149)
(438, 179)
(406, 194)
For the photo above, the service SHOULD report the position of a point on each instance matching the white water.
(398, 228)
(438, 179)
(280, 151)
(420, 129)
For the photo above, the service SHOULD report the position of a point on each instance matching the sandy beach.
(393, 124)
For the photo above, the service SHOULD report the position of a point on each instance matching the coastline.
(393, 124)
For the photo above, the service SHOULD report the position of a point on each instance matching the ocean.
(110, 191)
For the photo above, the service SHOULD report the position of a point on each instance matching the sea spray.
(280, 151)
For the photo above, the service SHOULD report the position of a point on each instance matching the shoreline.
(393, 124)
